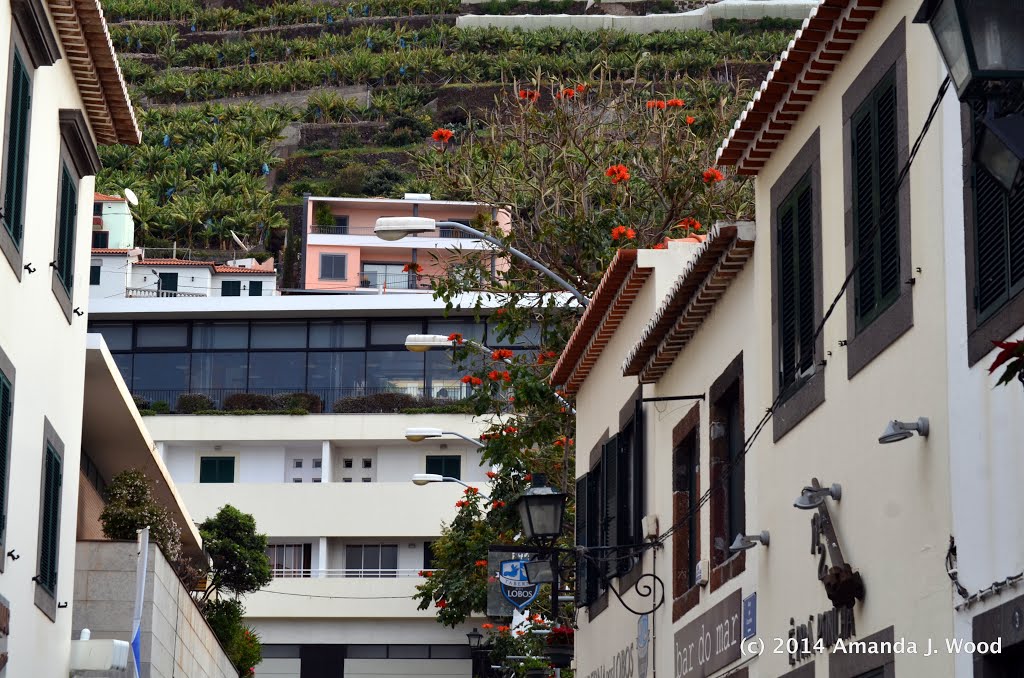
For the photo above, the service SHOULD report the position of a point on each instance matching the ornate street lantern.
(541, 510)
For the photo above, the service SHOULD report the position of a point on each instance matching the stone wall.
(176, 640)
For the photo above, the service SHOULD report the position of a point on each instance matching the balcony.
(393, 281)
(310, 598)
(133, 292)
(443, 232)
(292, 573)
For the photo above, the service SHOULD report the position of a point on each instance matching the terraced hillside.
(244, 108)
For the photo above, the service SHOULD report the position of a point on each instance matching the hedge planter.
(536, 673)
(560, 655)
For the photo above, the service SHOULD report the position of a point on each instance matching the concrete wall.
(90, 506)
(115, 276)
(191, 279)
(176, 640)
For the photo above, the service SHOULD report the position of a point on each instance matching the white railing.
(151, 292)
(294, 573)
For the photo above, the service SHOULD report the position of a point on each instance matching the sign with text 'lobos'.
(508, 587)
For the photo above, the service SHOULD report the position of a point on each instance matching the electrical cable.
(769, 413)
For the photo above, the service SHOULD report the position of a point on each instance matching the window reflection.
(220, 335)
(395, 371)
(391, 332)
(279, 370)
(161, 336)
(336, 370)
(338, 334)
(160, 371)
(279, 335)
(219, 370)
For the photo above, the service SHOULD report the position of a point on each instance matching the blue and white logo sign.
(515, 586)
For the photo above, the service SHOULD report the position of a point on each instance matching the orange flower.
(519, 633)
(511, 429)
(661, 246)
(415, 268)
(470, 490)
(656, 103)
(623, 233)
(505, 376)
(481, 563)
(690, 120)
(676, 103)
(618, 173)
(501, 354)
(537, 618)
(466, 379)
(442, 135)
(690, 224)
(476, 381)
(503, 629)
(492, 475)
(487, 626)
(425, 573)
(494, 375)
(568, 92)
(497, 503)
(456, 337)
(711, 175)
(462, 503)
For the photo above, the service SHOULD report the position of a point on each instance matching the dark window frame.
(9, 374)
(869, 337)
(95, 272)
(256, 289)
(64, 246)
(999, 322)
(442, 459)
(12, 237)
(808, 395)
(220, 459)
(726, 397)
(320, 270)
(685, 513)
(167, 276)
(236, 288)
(45, 594)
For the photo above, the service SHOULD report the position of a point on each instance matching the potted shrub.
(559, 646)
(535, 667)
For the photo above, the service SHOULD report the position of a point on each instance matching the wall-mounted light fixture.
(812, 498)
(896, 431)
(717, 430)
(749, 541)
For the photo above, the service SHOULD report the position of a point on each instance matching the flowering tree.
(583, 169)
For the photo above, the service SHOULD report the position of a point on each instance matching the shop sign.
(712, 641)
(832, 626)
(508, 588)
(620, 666)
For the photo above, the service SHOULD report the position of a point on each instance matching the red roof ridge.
(103, 197)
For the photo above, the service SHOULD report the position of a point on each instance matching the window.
(49, 521)
(876, 238)
(168, 282)
(316, 480)
(231, 288)
(391, 275)
(256, 288)
(290, 560)
(162, 336)
(371, 560)
(95, 270)
(296, 463)
(347, 463)
(97, 210)
(340, 224)
(296, 480)
(16, 157)
(727, 471)
(428, 555)
(367, 480)
(318, 463)
(64, 242)
(449, 466)
(367, 463)
(217, 470)
(279, 335)
(206, 335)
(6, 409)
(337, 334)
(685, 489)
(451, 231)
(796, 286)
(101, 239)
(333, 267)
(995, 251)
(346, 480)
(588, 528)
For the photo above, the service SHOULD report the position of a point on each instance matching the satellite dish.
(130, 196)
(238, 240)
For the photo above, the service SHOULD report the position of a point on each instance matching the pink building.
(343, 254)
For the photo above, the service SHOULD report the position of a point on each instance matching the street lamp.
(396, 228)
(541, 510)
(422, 479)
(980, 40)
(417, 435)
(475, 638)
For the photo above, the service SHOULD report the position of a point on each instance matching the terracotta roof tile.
(175, 262)
(102, 197)
(242, 269)
(106, 250)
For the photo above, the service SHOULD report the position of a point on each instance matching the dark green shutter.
(787, 296)
(876, 221)
(581, 540)
(169, 282)
(805, 277)
(50, 533)
(593, 529)
(5, 446)
(256, 288)
(217, 470)
(17, 150)
(610, 508)
(66, 229)
(95, 274)
(231, 288)
(796, 288)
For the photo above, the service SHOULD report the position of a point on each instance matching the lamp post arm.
(466, 438)
(449, 479)
(516, 253)
(483, 349)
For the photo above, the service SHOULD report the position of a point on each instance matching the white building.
(350, 533)
(63, 95)
(929, 523)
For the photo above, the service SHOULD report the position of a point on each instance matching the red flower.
(524, 93)
(661, 246)
(497, 503)
(426, 573)
(442, 135)
(567, 93)
(466, 379)
(676, 103)
(476, 381)
(502, 354)
(503, 629)
(442, 603)
(711, 175)
(481, 563)
(581, 88)
(456, 337)
(690, 120)
(623, 233)
(618, 173)
(494, 375)
(690, 224)
(470, 490)
(656, 103)
(505, 376)
(511, 429)
(462, 503)
(551, 354)
(519, 633)
(528, 477)
(415, 268)
(492, 475)
(487, 626)
(500, 311)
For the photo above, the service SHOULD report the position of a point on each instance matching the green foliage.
(238, 552)
(189, 403)
(130, 506)
(160, 407)
(240, 642)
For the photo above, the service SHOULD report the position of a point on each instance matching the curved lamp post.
(427, 478)
(418, 435)
(396, 228)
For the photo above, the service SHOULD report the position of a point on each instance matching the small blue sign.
(515, 585)
(750, 616)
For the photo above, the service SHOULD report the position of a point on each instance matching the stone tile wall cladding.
(176, 640)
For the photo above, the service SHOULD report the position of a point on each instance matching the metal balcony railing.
(153, 292)
(313, 573)
(330, 229)
(393, 281)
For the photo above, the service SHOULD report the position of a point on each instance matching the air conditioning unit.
(701, 573)
(98, 655)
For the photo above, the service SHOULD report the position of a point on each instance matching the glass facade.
(329, 358)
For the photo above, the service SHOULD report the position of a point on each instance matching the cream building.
(63, 95)
(825, 141)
